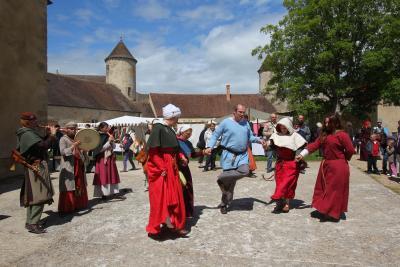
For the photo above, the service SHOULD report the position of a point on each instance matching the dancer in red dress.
(73, 193)
(167, 206)
(331, 193)
(285, 141)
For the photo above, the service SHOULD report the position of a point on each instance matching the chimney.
(228, 92)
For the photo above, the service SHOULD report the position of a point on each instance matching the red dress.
(165, 192)
(71, 201)
(331, 192)
(286, 174)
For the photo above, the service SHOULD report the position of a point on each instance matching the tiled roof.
(93, 78)
(74, 92)
(209, 106)
(120, 51)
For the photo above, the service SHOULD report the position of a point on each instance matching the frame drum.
(89, 138)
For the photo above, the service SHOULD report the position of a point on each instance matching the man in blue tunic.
(236, 136)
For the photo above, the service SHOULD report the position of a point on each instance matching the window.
(107, 69)
(129, 91)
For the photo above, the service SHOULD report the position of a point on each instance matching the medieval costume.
(188, 150)
(287, 170)
(106, 177)
(331, 192)
(165, 191)
(234, 158)
(37, 188)
(73, 192)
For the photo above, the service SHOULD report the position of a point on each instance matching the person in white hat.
(285, 142)
(184, 133)
(167, 207)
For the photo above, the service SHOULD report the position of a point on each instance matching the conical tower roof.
(120, 51)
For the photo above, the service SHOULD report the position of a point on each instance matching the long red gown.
(286, 174)
(331, 192)
(165, 192)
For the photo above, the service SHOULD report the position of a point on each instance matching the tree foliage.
(335, 55)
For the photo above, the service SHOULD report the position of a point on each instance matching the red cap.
(28, 116)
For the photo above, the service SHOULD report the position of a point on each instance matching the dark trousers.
(128, 157)
(384, 161)
(210, 160)
(371, 163)
(227, 181)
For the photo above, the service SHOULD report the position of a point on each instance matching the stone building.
(90, 98)
(23, 68)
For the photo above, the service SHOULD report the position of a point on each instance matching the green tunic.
(36, 190)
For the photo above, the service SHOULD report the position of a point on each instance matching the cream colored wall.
(390, 115)
(122, 73)
(23, 65)
(264, 78)
(63, 115)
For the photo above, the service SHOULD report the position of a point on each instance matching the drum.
(89, 138)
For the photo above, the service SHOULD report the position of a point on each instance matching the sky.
(182, 46)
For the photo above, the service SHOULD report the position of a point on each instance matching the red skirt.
(286, 176)
(106, 173)
(165, 192)
(71, 201)
(331, 192)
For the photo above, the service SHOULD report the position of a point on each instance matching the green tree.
(335, 55)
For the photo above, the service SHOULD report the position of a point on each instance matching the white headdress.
(184, 128)
(171, 111)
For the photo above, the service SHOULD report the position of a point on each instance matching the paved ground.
(112, 233)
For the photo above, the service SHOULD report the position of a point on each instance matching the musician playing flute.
(37, 190)
(73, 193)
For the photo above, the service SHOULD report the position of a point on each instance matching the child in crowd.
(390, 151)
(373, 149)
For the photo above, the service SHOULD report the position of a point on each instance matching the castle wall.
(23, 65)
(122, 74)
(264, 78)
(390, 115)
(65, 114)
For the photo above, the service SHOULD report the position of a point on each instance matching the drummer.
(73, 192)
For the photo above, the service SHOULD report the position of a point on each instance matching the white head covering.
(171, 111)
(292, 141)
(183, 128)
(287, 122)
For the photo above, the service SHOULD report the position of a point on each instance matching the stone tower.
(264, 76)
(121, 70)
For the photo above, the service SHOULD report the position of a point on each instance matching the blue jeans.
(384, 161)
(270, 154)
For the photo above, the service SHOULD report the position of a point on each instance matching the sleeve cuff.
(304, 153)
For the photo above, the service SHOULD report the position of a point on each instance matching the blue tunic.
(236, 136)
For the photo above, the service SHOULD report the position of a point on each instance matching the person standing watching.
(304, 130)
(269, 129)
(37, 188)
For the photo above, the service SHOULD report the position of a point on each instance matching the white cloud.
(151, 10)
(84, 16)
(254, 2)
(207, 13)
